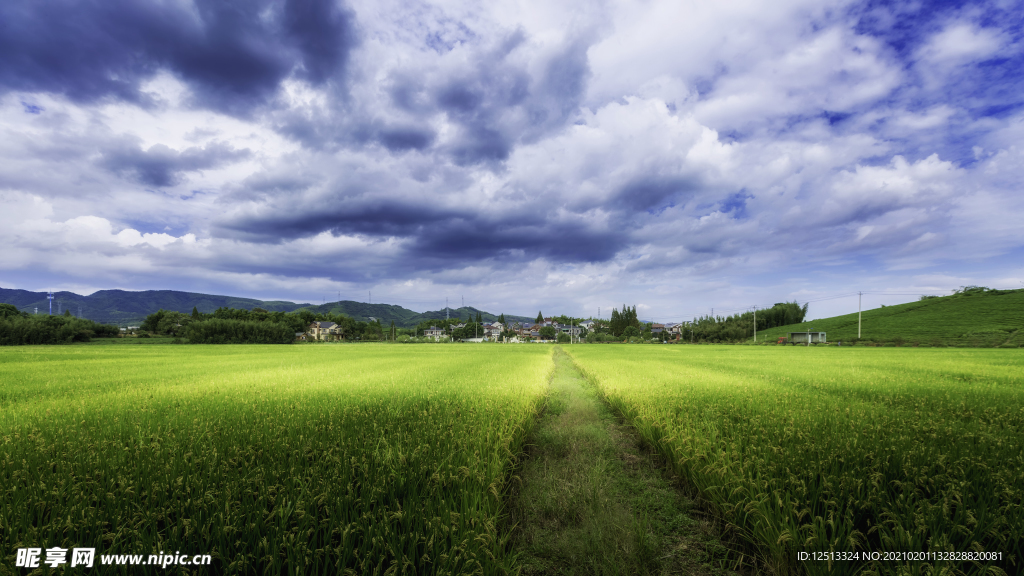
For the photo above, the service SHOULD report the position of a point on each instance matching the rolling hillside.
(402, 317)
(131, 308)
(992, 318)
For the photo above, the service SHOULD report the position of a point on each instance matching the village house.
(434, 332)
(569, 329)
(528, 330)
(493, 330)
(320, 330)
(657, 328)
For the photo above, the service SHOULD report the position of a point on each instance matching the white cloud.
(695, 145)
(960, 43)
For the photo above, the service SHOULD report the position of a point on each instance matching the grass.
(838, 449)
(987, 319)
(593, 503)
(274, 459)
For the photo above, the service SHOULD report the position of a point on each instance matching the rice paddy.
(274, 460)
(379, 459)
(895, 461)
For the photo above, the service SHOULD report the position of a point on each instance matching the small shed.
(806, 337)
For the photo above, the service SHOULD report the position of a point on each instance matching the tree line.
(19, 328)
(256, 326)
(624, 325)
(740, 327)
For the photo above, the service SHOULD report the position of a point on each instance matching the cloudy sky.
(519, 155)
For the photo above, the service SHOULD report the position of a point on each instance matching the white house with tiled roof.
(320, 330)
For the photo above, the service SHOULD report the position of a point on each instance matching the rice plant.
(274, 460)
(868, 452)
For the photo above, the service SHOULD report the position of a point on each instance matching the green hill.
(982, 318)
(402, 317)
(125, 307)
(131, 308)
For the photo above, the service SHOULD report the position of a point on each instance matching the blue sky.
(520, 156)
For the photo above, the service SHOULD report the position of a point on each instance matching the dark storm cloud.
(230, 53)
(434, 235)
(476, 104)
(515, 239)
(497, 104)
(356, 215)
(480, 144)
(323, 33)
(564, 83)
(646, 193)
(160, 165)
(406, 138)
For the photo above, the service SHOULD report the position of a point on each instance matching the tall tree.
(479, 318)
(615, 325)
(540, 317)
(195, 313)
(501, 318)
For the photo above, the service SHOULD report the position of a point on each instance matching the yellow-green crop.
(839, 450)
(274, 459)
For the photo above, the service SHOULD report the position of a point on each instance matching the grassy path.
(592, 502)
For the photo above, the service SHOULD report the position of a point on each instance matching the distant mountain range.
(131, 308)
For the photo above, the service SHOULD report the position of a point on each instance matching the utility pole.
(49, 296)
(692, 326)
(755, 324)
(859, 294)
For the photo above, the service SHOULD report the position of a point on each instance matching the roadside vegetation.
(836, 450)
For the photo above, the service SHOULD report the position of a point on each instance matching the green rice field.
(398, 459)
(877, 452)
(274, 460)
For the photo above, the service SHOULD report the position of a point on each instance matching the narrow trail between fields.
(593, 502)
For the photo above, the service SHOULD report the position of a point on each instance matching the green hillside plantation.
(982, 318)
